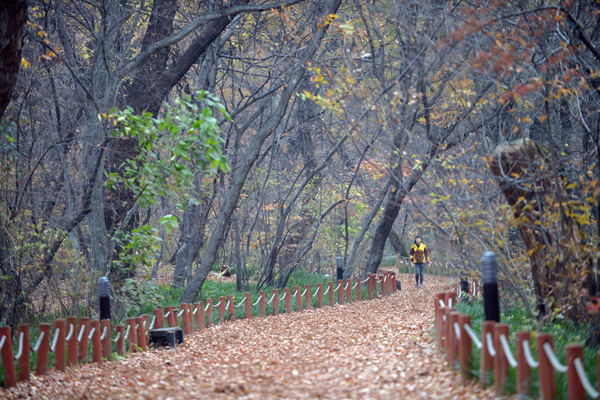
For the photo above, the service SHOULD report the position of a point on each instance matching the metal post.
(491, 304)
(104, 297)
(339, 268)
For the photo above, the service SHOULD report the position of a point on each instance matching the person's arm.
(412, 254)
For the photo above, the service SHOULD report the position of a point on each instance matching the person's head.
(418, 239)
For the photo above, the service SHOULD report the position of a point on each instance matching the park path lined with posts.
(377, 349)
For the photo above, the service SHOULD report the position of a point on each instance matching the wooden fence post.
(444, 320)
(340, 291)
(465, 348)
(545, 369)
(130, 322)
(262, 307)
(171, 321)
(120, 344)
(209, 312)
(348, 288)
(275, 301)
(107, 339)
(141, 333)
(43, 350)
(307, 296)
(96, 342)
(369, 287)
(319, 295)
(330, 285)
(221, 309)
(72, 348)
(374, 284)
(487, 361)
(187, 329)
(248, 305)
(59, 348)
(452, 340)
(84, 331)
(438, 315)
(523, 368)
(231, 307)
(501, 360)
(199, 315)
(288, 300)
(358, 289)
(298, 298)
(25, 348)
(575, 387)
(8, 358)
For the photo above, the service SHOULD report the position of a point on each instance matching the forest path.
(380, 349)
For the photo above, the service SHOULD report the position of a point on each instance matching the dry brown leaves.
(379, 349)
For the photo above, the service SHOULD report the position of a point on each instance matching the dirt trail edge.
(381, 349)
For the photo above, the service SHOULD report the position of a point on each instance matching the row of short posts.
(459, 348)
(72, 337)
(439, 268)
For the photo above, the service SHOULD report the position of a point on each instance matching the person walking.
(419, 255)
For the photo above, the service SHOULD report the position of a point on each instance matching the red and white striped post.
(575, 387)
(96, 342)
(307, 295)
(72, 348)
(262, 304)
(43, 350)
(59, 348)
(501, 359)
(275, 301)
(298, 298)
(319, 295)
(24, 347)
(8, 359)
(523, 368)
(487, 361)
(545, 369)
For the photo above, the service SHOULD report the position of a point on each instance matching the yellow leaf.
(25, 63)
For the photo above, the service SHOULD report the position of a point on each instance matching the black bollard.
(104, 297)
(464, 285)
(340, 268)
(491, 304)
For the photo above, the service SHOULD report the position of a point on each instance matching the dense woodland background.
(144, 136)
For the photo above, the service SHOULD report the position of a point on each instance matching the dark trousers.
(419, 269)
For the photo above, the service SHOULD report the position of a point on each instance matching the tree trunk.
(13, 14)
(250, 157)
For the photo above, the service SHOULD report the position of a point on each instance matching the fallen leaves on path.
(381, 349)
